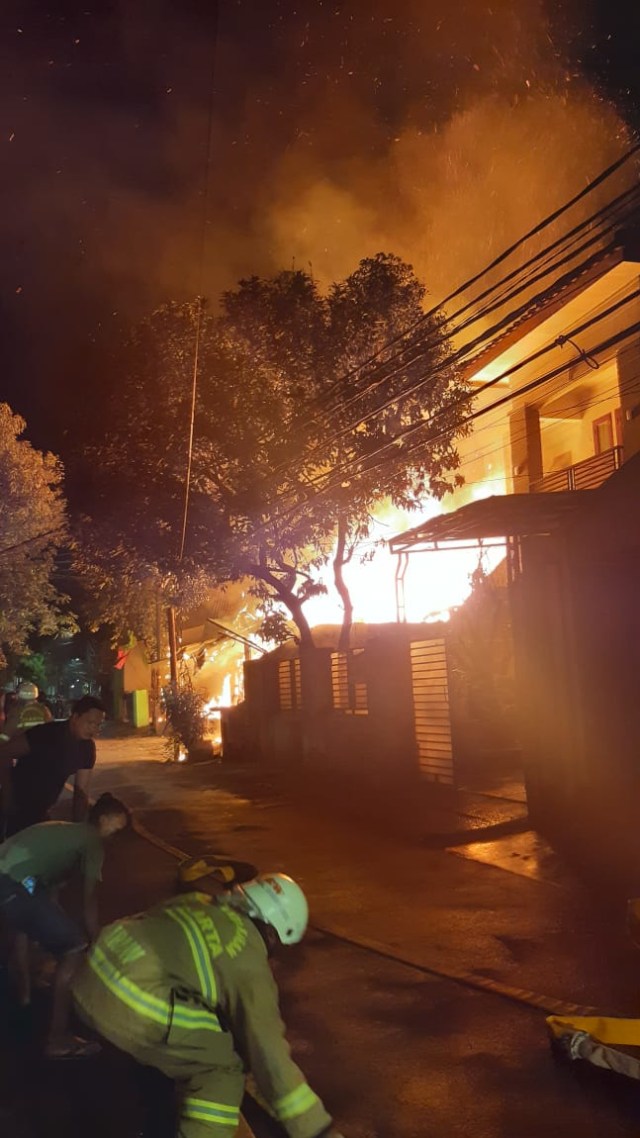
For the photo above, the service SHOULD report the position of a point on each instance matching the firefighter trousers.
(208, 1074)
(209, 1095)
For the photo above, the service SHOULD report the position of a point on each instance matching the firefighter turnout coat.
(187, 988)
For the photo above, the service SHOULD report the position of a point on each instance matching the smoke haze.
(436, 130)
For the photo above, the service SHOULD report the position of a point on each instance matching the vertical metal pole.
(401, 569)
(158, 626)
(173, 647)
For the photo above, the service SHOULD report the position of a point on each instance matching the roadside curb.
(524, 996)
(547, 1004)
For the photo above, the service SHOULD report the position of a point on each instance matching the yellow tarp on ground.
(606, 1029)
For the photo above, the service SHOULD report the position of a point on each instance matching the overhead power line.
(31, 540)
(457, 356)
(577, 251)
(335, 475)
(531, 358)
(615, 213)
(605, 396)
(603, 346)
(346, 469)
(464, 288)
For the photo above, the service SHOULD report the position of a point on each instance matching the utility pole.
(173, 647)
(158, 626)
(157, 671)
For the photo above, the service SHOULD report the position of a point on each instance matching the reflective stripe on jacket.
(197, 965)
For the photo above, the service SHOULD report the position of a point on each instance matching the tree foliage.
(120, 588)
(403, 449)
(32, 527)
(292, 448)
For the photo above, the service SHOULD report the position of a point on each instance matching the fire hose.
(591, 1037)
(577, 1032)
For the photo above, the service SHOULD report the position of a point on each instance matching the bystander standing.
(35, 764)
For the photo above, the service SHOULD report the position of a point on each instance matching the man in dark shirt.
(35, 764)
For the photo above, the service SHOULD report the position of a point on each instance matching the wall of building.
(578, 635)
(506, 445)
(629, 371)
(485, 460)
(568, 436)
(374, 737)
(545, 679)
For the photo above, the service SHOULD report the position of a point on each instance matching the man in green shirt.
(33, 862)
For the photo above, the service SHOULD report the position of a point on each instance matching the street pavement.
(395, 1048)
(400, 1050)
(549, 932)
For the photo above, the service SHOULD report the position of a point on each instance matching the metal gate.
(289, 684)
(430, 684)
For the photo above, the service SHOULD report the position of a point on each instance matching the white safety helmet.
(27, 691)
(278, 901)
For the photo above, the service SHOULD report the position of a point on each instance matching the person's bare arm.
(81, 785)
(12, 749)
(92, 867)
(91, 922)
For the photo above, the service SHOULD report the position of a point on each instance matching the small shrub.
(185, 720)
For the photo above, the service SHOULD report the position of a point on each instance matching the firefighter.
(28, 711)
(187, 988)
(213, 874)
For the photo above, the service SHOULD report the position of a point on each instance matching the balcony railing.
(585, 475)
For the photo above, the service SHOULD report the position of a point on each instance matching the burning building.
(562, 439)
(558, 404)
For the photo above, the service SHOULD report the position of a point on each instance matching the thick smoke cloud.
(439, 130)
(479, 125)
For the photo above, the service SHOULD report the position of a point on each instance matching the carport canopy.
(493, 520)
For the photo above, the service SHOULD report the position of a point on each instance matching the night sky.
(422, 127)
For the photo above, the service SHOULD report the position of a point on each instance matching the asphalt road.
(399, 1055)
(394, 1052)
(366, 882)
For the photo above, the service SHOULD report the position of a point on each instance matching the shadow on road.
(105, 1096)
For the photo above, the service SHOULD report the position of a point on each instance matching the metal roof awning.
(212, 632)
(499, 517)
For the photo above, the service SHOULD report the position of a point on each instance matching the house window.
(348, 682)
(289, 685)
(602, 434)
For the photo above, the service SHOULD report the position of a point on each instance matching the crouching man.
(187, 988)
(34, 862)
